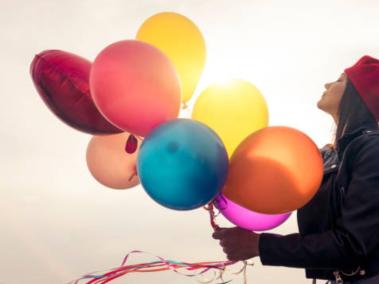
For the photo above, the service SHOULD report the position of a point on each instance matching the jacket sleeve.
(357, 229)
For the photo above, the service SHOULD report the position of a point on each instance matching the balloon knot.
(131, 144)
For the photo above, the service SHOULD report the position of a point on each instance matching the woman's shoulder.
(368, 139)
(365, 146)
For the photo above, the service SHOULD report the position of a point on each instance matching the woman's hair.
(352, 112)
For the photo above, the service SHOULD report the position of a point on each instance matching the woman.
(338, 237)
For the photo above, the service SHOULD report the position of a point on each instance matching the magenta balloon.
(247, 219)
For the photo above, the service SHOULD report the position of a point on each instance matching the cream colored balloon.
(110, 164)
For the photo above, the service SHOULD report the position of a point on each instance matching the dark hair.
(352, 112)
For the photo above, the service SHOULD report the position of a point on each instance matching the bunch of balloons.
(129, 99)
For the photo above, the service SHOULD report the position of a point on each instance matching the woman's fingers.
(218, 234)
(237, 243)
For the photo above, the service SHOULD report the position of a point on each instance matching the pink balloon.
(135, 86)
(246, 218)
(110, 163)
(62, 80)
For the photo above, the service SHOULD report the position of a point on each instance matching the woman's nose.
(327, 85)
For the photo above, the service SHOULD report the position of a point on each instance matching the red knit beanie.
(364, 75)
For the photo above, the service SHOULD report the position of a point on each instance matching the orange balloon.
(110, 164)
(274, 170)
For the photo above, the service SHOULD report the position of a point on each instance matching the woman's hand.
(237, 243)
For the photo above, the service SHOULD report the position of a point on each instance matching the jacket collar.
(349, 136)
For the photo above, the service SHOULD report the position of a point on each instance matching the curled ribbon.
(217, 267)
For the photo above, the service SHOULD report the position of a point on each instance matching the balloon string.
(210, 208)
(217, 267)
(160, 265)
(212, 215)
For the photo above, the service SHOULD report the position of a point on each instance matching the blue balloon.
(182, 164)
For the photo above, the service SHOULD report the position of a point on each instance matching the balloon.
(181, 40)
(233, 110)
(110, 164)
(182, 164)
(248, 219)
(274, 170)
(61, 79)
(135, 86)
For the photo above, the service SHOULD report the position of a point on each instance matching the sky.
(58, 223)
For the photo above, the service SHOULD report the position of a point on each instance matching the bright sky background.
(57, 223)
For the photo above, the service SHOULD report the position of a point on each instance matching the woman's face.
(330, 99)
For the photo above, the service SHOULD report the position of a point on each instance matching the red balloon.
(135, 86)
(62, 80)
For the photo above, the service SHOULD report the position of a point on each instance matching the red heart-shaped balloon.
(62, 80)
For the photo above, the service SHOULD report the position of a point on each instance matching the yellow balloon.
(181, 40)
(233, 111)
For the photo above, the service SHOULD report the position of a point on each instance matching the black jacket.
(339, 227)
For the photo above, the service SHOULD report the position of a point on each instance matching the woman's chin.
(319, 104)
